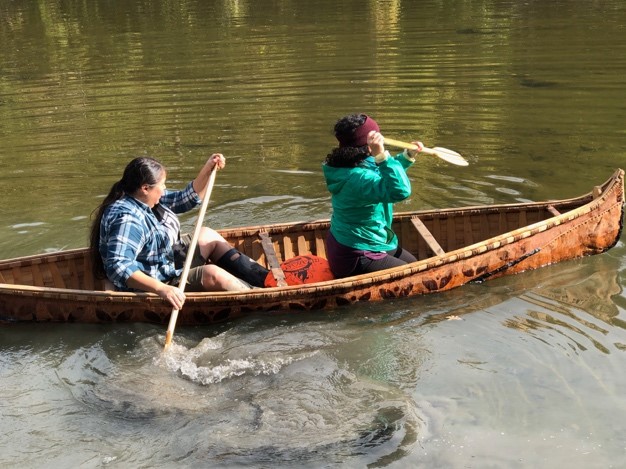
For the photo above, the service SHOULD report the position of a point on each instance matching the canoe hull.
(588, 225)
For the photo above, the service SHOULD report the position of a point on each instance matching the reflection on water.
(579, 306)
(86, 87)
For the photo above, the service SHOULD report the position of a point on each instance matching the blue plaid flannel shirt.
(132, 238)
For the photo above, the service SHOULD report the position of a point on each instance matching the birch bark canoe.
(453, 246)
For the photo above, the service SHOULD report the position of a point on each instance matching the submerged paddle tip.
(168, 340)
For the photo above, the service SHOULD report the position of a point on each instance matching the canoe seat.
(272, 259)
(427, 236)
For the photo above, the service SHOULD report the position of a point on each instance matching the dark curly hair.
(347, 157)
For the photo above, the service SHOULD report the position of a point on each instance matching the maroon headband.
(358, 138)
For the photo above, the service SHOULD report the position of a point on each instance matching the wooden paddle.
(188, 259)
(443, 153)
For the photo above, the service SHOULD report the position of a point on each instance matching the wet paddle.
(443, 153)
(188, 259)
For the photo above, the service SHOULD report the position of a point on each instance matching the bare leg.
(212, 245)
(217, 250)
(215, 278)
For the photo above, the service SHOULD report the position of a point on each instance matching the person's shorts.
(194, 279)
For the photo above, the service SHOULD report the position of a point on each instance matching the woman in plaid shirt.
(136, 241)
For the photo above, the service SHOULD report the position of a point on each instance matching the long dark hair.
(347, 157)
(138, 172)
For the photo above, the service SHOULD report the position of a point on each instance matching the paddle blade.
(443, 153)
(450, 156)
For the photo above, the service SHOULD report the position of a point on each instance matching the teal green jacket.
(362, 200)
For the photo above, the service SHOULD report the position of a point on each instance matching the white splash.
(202, 365)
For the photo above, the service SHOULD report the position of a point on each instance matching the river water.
(525, 371)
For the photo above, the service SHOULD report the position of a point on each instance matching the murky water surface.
(525, 371)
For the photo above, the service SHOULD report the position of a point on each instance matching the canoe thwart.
(272, 259)
(553, 211)
(427, 236)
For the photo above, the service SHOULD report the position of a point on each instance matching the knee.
(209, 234)
(208, 241)
(209, 237)
(215, 278)
(210, 275)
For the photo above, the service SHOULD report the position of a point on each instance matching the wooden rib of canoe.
(453, 246)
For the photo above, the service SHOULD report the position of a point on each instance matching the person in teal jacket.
(364, 181)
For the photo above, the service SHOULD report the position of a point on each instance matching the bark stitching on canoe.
(508, 265)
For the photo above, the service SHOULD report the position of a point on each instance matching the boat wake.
(252, 394)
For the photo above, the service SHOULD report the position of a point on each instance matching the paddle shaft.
(443, 153)
(408, 146)
(192, 248)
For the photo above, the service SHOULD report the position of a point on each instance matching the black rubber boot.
(241, 266)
